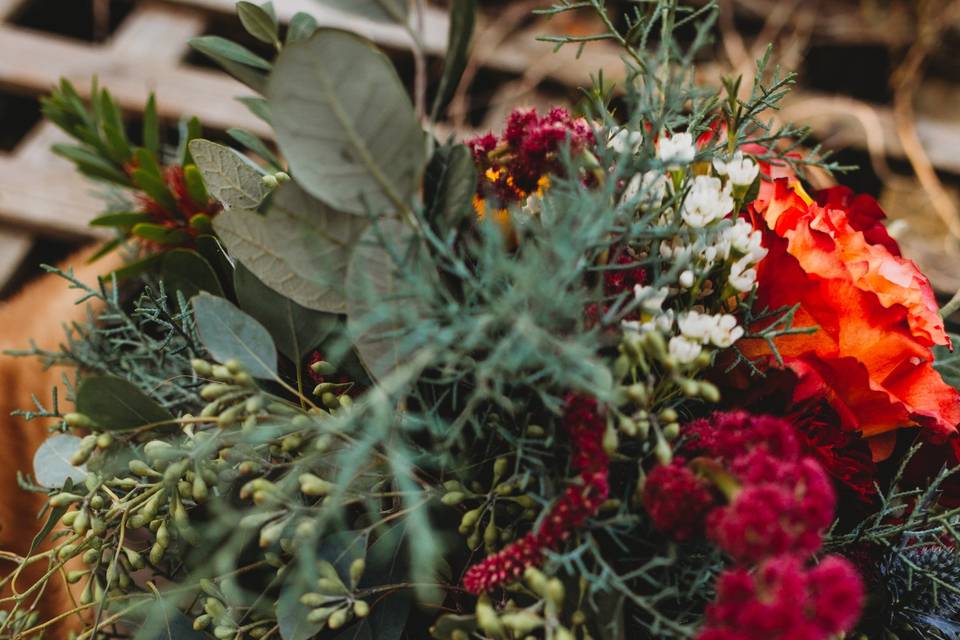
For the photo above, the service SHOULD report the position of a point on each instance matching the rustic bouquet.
(617, 374)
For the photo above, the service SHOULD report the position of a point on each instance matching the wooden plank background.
(42, 197)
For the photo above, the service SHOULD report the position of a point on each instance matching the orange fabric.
(876, 315)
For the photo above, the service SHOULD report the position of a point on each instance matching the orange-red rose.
(875, 313)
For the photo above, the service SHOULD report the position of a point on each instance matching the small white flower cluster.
(654, 316)
(707, 201)
(624, 140)
(653, 186)
(677, 150)
(700, 329)
(741, 171)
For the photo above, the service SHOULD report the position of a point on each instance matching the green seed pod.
(229, 416)
(74, 577)
(521, 622)
(453, 498)
(80, 456)
(123, 581)
(338, 618)
(487, 618)
(500, 467)
(141, 468)
(223, 632)
(536, 580)
(137, 520)
(156, 553)
(473, 541)
(64, 499)
(134, 558)
(185, 489)
(98, 526)
(221, 373)
(79, 421)
(200, 491)
(324, 442)
(209, 588)
(663, 452)
(329, 400)
(469, 519)
(490, 536)
(323, 368)
(291, 442)
(244, 379)
(709, 392)
(282, 176)
(312, 599)
(535, 431)
(361, 609)
(331, 587)
(97, 502)
(345, 401)
(356, 571)
(320, 616)
(179, 512)
(214, 607)
(669, 415)
(312, 485)
(562, 633)
(254, 404)
(671, 431)
(163, 535)
(104, 440)
(215, 390)
(271, 533)
(611, 441)
(269, 181)
(555, 592)
(621, 367)
(202, 367)
(82, 522)
(202, 622)
(68, 518)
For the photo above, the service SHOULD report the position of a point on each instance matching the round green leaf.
(228, 175)
(51, 462)
(345, 123)
(115, 404)
(300, 249)
(230, 334)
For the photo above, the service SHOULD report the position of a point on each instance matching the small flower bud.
(453, 498)
(361, 609)
(78, 421)
(356, 571)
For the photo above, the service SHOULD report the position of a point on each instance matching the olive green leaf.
(463, 18)
(187, 271)
(345, 123)
(115, 404)
(228, 175)
(230, 334)
(300, 249)
(258, 22)
(449, 185)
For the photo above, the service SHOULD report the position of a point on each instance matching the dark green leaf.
(213, 252)
(230, 334)
(187, 271)
(147, 161)
(300, 249)
(115, 404)
(196, 189)
(51, 462)
(135, 268)
(104, 249)
(296, 330)
(120, 219)
(258, 22)
(92, 164)
(160, 234)
(301, 27)
(156, 188)
(291, 614)
(151, 128)
(257, 106)
(345, 123)
(190, 129)
(463, 17)
(449, 185)
(229, 176)
(238, 61)
(378, 10)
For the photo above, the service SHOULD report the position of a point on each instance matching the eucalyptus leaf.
(115, 404)
(51, 462)
(238, 61)
(230, 334)
(302, 25)
(258, 22)
(189, 272)
(378, 10)
(296, 330)
(345, 123)
(291, 614)
(229, 176)
(255, 144)
(463, 18)
(300, 249)
(375, 315)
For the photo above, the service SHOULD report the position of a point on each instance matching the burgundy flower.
(784, 600)
(677, 500)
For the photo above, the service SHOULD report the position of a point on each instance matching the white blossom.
(706, 202)
(653, 186)
(684, 351)
(725, 331)
(677, 150)
(624, 140)
(741, 170)
(746, 240)
(742, 275)
(695, 326)
(650, 299)
(686, 279)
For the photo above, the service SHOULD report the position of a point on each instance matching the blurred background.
(879, 80)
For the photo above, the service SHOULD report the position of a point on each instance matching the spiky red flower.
(784, 600)
(581, 500)
(678, 500)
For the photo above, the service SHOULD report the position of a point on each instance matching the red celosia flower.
(776, 512)
(586, 427)
(677, 500)
(734, 434)
(783, 600)
(517, 165)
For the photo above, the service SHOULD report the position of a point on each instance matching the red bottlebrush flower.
(787, 513)
(783, 600)
(677, 500)
(579, 502)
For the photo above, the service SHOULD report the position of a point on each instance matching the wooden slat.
(14, 246)
(156, 35)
